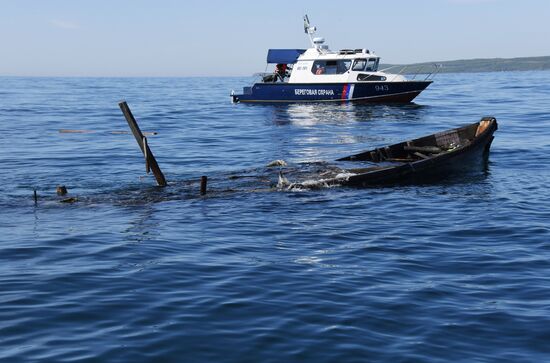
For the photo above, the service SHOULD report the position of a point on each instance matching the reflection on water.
(311, 114)
(143, 223)
(323, 130)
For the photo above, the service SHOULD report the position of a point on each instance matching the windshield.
(359, 65)
(370, 65)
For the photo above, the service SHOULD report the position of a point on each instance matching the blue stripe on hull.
(335, 92)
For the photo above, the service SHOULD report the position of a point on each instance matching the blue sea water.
(451, 271)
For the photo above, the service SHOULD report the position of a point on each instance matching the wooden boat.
(428, 158)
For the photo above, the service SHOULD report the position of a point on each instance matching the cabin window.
(339, 66)
(359, 65)
(372, 65)
(344, 65)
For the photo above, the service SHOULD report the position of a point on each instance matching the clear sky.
(225, 38)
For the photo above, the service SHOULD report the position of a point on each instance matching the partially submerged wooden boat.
(427, 158)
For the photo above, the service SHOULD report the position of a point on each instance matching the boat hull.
(361, 92)
(472, 155)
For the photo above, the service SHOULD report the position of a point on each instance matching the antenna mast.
(310, 31)
(316, 43)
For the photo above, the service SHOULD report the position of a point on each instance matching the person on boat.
(320, 70)
(280, 72)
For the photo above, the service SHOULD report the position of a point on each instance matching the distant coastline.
(477, 65)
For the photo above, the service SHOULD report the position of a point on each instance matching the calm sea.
(453, 271)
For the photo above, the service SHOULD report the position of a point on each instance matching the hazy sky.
(214, 37)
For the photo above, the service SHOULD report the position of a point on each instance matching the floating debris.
(283, 181)
(277, 163)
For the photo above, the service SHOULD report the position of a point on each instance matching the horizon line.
(249, 75)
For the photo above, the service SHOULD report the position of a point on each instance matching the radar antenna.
(316, 43)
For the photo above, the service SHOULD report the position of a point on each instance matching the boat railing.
(430, 70)
(267, 77)
(261, 74)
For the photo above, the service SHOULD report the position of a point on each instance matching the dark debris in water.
(300, 177)
(290, 178)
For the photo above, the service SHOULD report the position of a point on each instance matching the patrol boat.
(318, 74)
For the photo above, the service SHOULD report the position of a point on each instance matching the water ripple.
(451, 271)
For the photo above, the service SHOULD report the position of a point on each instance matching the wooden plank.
(151, 161)
(420, 155)
(423, 149)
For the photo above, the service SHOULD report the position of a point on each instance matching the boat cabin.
(320, 65)
(319, 74)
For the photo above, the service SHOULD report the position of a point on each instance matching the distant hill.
(477, 65)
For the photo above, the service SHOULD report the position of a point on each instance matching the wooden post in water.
(35, 196)
(150, 160)
(204, 180)
(145, 147)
